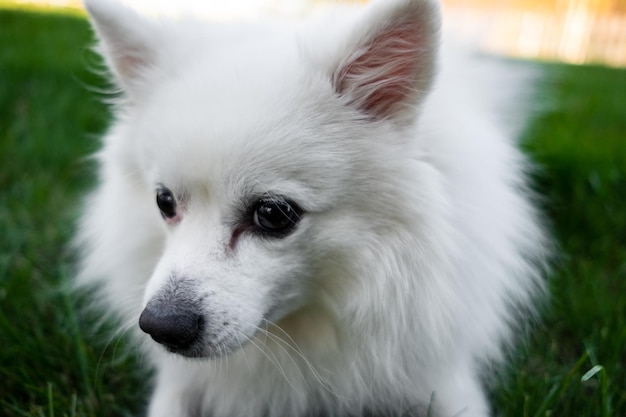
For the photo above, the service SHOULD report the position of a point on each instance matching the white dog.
(298, 225)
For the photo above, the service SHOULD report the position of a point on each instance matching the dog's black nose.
(173, 328)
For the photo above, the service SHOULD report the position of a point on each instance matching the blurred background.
(573, 31)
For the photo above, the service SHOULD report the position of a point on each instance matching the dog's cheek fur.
(238, 292)
(116, 261)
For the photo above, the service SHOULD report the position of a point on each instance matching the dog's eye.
(276, 216)
(167, 203)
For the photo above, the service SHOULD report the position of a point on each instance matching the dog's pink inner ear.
(126, 62)
(130, 63)
(385, 74)
(127, 41)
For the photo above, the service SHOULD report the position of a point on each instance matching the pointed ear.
(127, 41)
(390, 61)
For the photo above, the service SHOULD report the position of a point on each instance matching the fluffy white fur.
(417, 248)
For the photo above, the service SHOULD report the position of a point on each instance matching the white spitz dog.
(299, 221)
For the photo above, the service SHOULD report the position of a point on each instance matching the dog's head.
(269, 152)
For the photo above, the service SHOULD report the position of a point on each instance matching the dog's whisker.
(279, 343)
(295, 348)
(274, 360)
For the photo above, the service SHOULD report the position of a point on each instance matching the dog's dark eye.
(276, 216)
(167, 203)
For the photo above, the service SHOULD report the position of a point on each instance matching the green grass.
(50, 363)
(53, 364)
(580, 143)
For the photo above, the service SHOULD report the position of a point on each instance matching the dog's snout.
(173, 328)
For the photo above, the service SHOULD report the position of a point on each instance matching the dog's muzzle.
(169, 325)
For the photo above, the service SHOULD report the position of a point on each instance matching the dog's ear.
(388, 64)
(128, 42)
